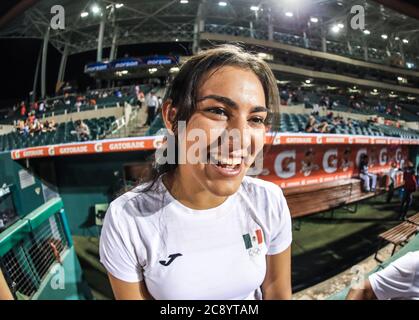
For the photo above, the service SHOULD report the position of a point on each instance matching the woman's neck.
(189, 194)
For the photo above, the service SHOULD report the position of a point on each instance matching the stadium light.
(384, 36)
(174, 69)
(119, 5)
(405, 41)
(397, 38)
(254, 8)
(335, 29)
(289, 14)
(184, 1)
(176, 39)
(95, 9)
(222, 3)
(367, 32)
(84, 14)
(410, 65)
(340, 25)
(308, 81)
(152, 70)
(314, 19)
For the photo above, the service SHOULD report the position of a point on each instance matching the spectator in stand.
(410, 186)
(311, 126)
(82, 130)
(52, 126)
(329, 115)
(152, 104)
(92, 102)
(323, 127)
(118, 93)
(316, 110)
(284, 96)
(35, 107)
(41, 108)
(23, 109)
(31, 117)
(78, 105)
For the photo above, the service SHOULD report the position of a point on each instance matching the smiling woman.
(205, 230)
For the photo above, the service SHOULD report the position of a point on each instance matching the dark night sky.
(19, 62)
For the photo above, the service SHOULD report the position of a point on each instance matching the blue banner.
(126, 63)
(96, 66)
(159, 60)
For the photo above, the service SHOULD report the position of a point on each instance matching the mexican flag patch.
(253, 241)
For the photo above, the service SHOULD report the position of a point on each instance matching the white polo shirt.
(399, 280)
(181, 253)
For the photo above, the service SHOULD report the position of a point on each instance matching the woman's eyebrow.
(230, 103)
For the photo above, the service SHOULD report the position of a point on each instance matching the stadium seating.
(297, 123)
(63, 134)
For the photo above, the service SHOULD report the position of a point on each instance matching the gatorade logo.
(51, 151)
(98, 147)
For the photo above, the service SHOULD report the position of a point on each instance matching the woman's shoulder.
(137, 202)
(257, 185)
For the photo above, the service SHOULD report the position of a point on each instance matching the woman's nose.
(242, 131)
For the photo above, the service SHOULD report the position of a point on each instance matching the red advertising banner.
(151, 143)
(290, 166)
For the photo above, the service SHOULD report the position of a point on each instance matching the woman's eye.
(217, 111)
(258, 120)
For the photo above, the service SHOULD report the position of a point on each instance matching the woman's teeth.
(230, 162)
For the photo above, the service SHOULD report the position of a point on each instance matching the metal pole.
(63, 64)
(44, 63)
(324, 43)
(199, 26)
(36, 76)
(100, 37)
(348, 43)
(270, 27)
(112, 55)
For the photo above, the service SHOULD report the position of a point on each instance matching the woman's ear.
(169, 114)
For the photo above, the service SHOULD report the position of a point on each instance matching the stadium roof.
(146, 21)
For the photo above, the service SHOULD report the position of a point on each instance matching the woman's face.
(230, 99)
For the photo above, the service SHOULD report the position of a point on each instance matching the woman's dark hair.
(183, 92)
